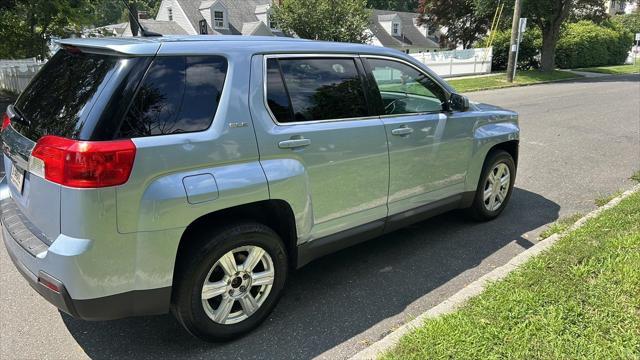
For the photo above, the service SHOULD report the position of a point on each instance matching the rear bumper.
(30, 260)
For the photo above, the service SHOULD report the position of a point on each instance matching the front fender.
(485, 137)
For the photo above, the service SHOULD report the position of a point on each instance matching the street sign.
(523, 25)
(637, 36)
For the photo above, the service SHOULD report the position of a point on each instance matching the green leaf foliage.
(629, 22)
(330, 20)
(528, 55)
(585, 44)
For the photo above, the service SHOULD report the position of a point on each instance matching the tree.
(332, 20)
(629, 22)
(27, 26)
(549, 16)
(465, 25)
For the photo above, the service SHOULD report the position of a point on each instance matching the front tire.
(229, 283)
(495, 186)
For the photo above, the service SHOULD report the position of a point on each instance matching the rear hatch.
(78, 95)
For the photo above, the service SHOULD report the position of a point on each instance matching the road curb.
(476, 287)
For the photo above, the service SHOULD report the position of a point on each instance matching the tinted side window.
(177, 95)
(277, 97)
(322, 89)
(405, 90)
(60, 97)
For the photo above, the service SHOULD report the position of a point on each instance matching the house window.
(218, 19)
(396, 29)
(203, 27)
(170, 10)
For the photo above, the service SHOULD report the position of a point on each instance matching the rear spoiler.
(114, 46)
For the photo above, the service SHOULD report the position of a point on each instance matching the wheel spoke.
(252, 260)
(492, 201)
(487, 194)
(504, 180)
(228, 264)
(262, 278)
(249, 304)
(213, 289)
(222, 313)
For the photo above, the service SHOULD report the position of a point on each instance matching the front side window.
(177, 95)
(405, 90)
(307, 89)
(218, 19)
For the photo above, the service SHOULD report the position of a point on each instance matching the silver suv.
(191, 174)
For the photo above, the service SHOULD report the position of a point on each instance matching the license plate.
(17, 178)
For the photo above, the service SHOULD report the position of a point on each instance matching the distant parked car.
(192, 174)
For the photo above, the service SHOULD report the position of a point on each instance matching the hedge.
(528, 55)
(585, 44)
(581, 44)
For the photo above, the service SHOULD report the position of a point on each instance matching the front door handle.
(403, 130)
(294, 143)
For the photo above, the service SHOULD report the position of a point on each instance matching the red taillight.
(6, 121)
(83, 164)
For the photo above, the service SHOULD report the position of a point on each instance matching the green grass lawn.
(499, 81)
(580, 299)
(616, 69)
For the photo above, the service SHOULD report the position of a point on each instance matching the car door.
(318, 118)
(429, 147)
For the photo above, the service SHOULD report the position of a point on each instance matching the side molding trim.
(314, 249)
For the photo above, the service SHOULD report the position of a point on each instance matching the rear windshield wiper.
(18, 117)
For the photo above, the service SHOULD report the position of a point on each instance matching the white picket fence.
(16, 74)
(458, 62)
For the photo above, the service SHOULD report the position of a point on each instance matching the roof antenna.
(134, 15)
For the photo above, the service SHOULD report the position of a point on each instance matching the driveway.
(580, 140)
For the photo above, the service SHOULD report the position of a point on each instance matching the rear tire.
(229, 281)
(494, 187)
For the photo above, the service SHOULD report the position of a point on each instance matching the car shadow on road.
(342, 295)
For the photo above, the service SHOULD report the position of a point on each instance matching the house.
(399, 30)
(220, 17)
(615, 7)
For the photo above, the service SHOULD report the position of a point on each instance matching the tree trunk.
(548, 55)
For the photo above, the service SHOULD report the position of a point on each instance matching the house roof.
(163, 27)
(411, 37)
(239, 12)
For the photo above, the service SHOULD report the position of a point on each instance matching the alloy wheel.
(238, 284)
(496, 186)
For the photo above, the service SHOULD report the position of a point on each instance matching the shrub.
(528, 55)
(630, 22)
(585, 44)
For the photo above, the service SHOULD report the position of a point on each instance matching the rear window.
(59, 99)
(309, 89)
(177, 95)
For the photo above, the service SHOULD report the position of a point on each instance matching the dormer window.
(396, 29)
(218, 19)
(170, 11)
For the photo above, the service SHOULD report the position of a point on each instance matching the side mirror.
(458, 102)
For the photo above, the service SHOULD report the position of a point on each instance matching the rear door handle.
(294, 143)
(403, 130)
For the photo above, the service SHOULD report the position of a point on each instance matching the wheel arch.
(276, 214)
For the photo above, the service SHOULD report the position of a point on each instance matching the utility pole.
(515, 31)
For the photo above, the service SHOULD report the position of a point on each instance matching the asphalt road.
(580, 140)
